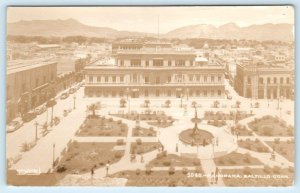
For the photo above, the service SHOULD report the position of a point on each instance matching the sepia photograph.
(172, 96)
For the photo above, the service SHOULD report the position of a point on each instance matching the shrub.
(184, 170)
(137, 171)
(167, 163)
(171, 170)
(138, 141)
(120, 142)
(267, 169)
(61, 168)
(118, 154)
(247, 170)
(148, 170)
(276, 169)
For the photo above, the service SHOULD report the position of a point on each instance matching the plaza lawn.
(162, 178)
(81, 157)
(241, 129)
(143, 147)
(284, 148)
(102, 127)
(163, 159)
(271, 126)
(236, 159)
(155, 118)
(143, 132)
(269, 177)
(239, 115)
(216, 123)
(253, 145)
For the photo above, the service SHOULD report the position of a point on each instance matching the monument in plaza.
(196, 136)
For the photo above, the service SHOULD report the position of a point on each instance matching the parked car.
(64, 95)
(29, 116)
(14, 125)
(40, 110)
(72, 90)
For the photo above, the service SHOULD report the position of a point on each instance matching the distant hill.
(63, 28)
(278, 32)
(71, 27)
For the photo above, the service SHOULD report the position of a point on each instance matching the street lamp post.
(74, 105)
(53, 159)
(36, 126)
(107, 168)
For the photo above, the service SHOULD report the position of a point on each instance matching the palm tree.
(123, 103)
(146, 103)
(50, 104)
(93, 108)
(194, 104)
(168, 103)
(216, 104)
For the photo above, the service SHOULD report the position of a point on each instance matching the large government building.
(263, 80)
(28, 85)
(155, 70)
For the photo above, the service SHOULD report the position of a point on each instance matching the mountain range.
(72, 27)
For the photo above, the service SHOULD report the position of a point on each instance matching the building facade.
(155, 70)
(28, 84)
(259, 80)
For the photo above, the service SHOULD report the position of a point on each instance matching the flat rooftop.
(15, 66)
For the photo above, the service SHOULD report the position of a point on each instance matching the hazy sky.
(145, 19)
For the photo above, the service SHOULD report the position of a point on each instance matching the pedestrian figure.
(217, 141)
(92, 172)
(216, 175)
(142, 158)
(176, 147)
(212, 178)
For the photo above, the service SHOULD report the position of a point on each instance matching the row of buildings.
(155, 69)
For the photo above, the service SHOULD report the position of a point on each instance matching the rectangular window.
(198, 78)
(135, 63)
(106, 78)
(122, 62)
(212, 79)
(146, 93)
(205, 78)
(274, 80)
(98, 78)
(261, 80)
(288, 80)
(121, 79)
(169, 79)
(157, 63)
(169, 63)
(114, 79)
(147, 80)
(157, 80)
(157, 93)
(281, 80)
(169, 93)
(269, 80)
(91, 79)
(219, 78)
(121, 93)
(179, 63)
(147, 63)
(191, 78)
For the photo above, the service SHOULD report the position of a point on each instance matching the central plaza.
(135, 144)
